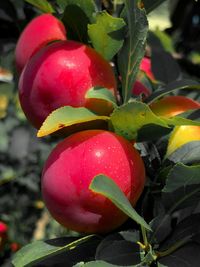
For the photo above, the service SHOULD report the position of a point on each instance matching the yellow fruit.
(182, 135)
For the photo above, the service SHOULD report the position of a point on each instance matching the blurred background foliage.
(175, 29)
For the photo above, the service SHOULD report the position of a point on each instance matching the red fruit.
(14, 246)
(170, 106)
(74, 163)
(3, 234)
(60, 75)
(37, 34)
(139, 88)
(146, 67)
(3, 228)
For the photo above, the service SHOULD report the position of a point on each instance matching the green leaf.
(88, 6)
(40, 250)
(173, 86)
(95, 264)
(126, 120)
(68, 116)
(130, 235)
(150, 5)
(161, 58)
(182, 187)
(107, 34)
(132, 52)
(118, 2)
(4, 139)
(115, 249)
(161, 265)
(119, 252)
(7, 175)
(43, 5)
(101, 93)
(77, 15)
(152, 132)
(106, 186)
(184, 231)
(185, 256)
(182, 176)
(188, 153)
(178, 120)
(165, 40)
(161, 226)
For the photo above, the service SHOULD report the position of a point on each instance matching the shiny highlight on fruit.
(170, 106)
(60, 75)
(70, 169)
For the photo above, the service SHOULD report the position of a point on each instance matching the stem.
(144, 236)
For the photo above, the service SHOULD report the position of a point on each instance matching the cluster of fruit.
(56, 72)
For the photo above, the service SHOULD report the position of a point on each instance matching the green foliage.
(107, 187)
(43, 5)
(116, 249)
(183, 84)
(188, 153)
(132, 52)
(40, 250)
(150, 5)
(88, 6)
(107, 34)
(101, 93)
(76, 17)
(182, 187)
(180, 258)
(128, 119)
(66, 117)
(95, 264)
(165, 40)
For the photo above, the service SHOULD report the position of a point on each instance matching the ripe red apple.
(60, 75)
(74, 163)
(139, 88)
(3, 228)
(145, 66)
(170, 106)
(3, 234)
(14, 246)
(37, 34)
(174, 105)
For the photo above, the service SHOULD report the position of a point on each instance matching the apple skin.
(3, 228)
(61, 74)
(14, 246)
(71, 167)
(37, 34)
(182, 135)
(139, 88)
(145, 66)
(170, 106)
(3, 234)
